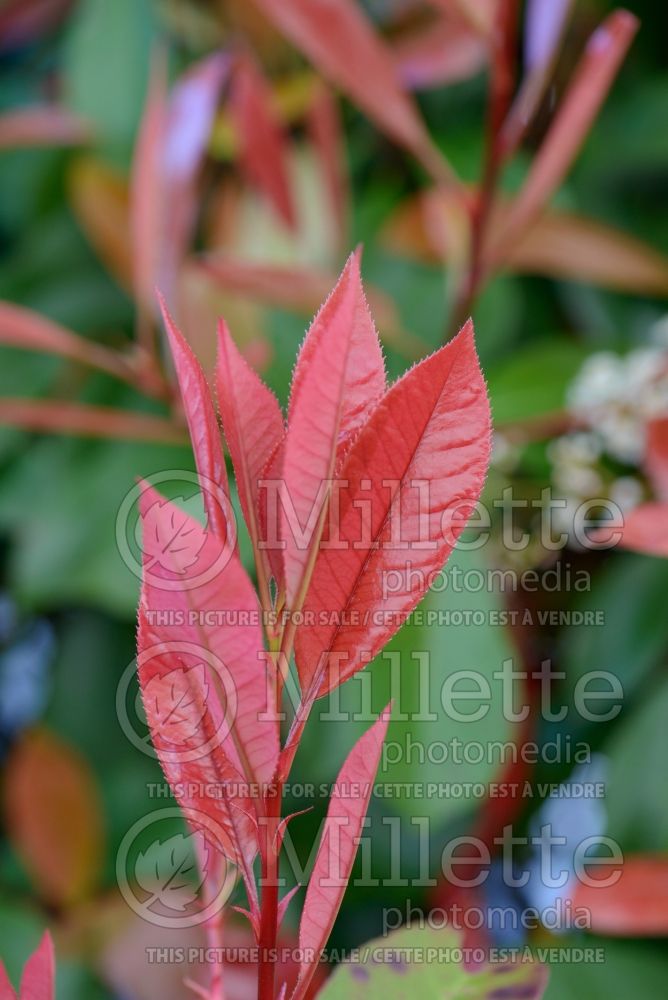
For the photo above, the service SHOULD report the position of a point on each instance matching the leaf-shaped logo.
(168, 871)
(175, 703)
(170, 536)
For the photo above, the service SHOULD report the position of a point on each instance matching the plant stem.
(269, 898)
(502, 79)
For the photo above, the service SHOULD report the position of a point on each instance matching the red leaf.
(326, 132)
(217, 584)
(439, 53)
(635, 906)
(6, 989)
(38, 981)
(559, 244)
(202, 423)
(169, 534)
(338, 847)
(656, 460)
(20, 327)
(545, 24)
(340, 40)
(172, 141)
(478, 14)
(433, 428)
(300, 289)
(146, 193)
(285, 902)
(23, 21)
(190, 116)
(645, 530)
(62, 417)
(54, 818)
(564, 245)
(199, 643)
(338, 378)
(252, 422)
(42, 126)
(262, 141)
(581, 104)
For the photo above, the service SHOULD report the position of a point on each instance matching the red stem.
(269, 898)
(501, 85)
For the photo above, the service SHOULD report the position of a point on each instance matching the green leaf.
(421, 962)
(636, 793)
(106, 66)
(634, 650)
(534, 383)
(436, 644)
(627, 969)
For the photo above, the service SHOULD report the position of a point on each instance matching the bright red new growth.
(420, 462)
(343, 44)
(202, 424)
(339, 377)
(252, 423)
(338, 846)
(413, 458)
(263, 147)
(38, 981)
(634, 906)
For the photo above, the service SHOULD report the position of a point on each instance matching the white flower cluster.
(611, 400)
(616, 397)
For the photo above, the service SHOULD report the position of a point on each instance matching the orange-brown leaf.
(54, 817)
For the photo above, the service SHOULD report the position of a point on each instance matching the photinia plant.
(38, 979)
(362, 480)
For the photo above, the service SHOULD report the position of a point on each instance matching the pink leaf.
(252, 422)
(172, 142)
(559, 244)
(191, 112)
(564, 245)
(60, 416)
(336, 853)
(23, 21)
(285, 902)
(7, 991)
(478, 14)
(581, 104)
(364, 377)
(21, 327)
(42, 126)
(442, 52)
(339, 39)
(300, 289)
(38, 979)
(206, 693)
(326, 132)
(645, 530)
(202, 423)
(635, 906)
(212, 604)
(262, 141)
(338, 378)
(147, 197)
(169, 534)
(416, 470)
(544, 25)
(656, 460)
